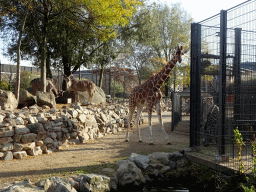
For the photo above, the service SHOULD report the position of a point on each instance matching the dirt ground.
(96, 153)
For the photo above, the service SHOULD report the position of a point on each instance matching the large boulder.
(26, 99)
(94, 182)
(141, 161)
(56, 184)
(99, 96)
(47, 99)
(129, 175)
(8, 100)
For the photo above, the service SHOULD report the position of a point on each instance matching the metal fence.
(223, 82)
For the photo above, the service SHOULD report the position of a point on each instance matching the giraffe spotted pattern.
(148, 94)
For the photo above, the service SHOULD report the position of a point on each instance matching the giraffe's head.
(178, 53)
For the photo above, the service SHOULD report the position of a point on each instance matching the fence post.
(236, 69)
(222, 93)
(195, 84)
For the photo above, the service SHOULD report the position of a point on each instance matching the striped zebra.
(210, 127)
(35, 84)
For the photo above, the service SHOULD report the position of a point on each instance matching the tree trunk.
(101, 76)
(44, 47)
(17, 85)
(43, 65)
(48, 65)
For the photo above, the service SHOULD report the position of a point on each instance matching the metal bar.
(195, 84)
(237, 83)
(222, 93)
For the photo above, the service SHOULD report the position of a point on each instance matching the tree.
(100, 16)
(11, 8)
(139, 59)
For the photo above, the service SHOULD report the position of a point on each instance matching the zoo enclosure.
(223, 74)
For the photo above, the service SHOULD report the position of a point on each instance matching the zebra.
(210, 127)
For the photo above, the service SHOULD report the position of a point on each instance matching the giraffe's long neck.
(163, 74)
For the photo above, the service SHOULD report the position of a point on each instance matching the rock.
(1, 118)
(29, 146)
(175, 156)
(94, 182)
(98, 98)
(28, 138)
(73, 113)
(48, 140)
(7, 156)
(7, 147)
(26, 99)
(56, 129)
(48, 126)
(41, 119)
(8, 100)
(36, 151)
(24, 186)
(19, 121)
(83, 137)
(74, 141)
(20, 155)
(45, 99)
(103, 117)
(17, 147)
(128, 174)
(5, 140)
(162, 157)
(31, 120)
(53, 135)
(1, 155)
(165, 169)
(172, 164)
(82, 118)
(141, 161)
(7, 133)
(56, 184)
(21, 129)
(35, 128)
(39, 143)
(76, 105)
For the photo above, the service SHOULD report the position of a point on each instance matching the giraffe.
(149, 94)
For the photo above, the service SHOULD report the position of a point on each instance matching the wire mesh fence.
(223, 84)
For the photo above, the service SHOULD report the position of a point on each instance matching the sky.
(199, 10)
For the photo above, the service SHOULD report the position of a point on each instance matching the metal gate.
(223, 79)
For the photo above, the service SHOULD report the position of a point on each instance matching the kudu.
(80, 85)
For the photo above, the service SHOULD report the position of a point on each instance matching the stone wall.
(37, 130)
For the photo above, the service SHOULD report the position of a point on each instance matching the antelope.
(80, 85)
(35, 84)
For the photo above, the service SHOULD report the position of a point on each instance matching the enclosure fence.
(223, 84)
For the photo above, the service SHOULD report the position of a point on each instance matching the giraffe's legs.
(158, 109)
(131, 111)
(150, 125)
(139, 110)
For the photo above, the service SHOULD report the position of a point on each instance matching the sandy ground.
(104, 150)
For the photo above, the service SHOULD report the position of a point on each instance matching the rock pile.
(38, 130)
(131, 175)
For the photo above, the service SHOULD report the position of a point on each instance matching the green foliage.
(25, 78)
(116, 87)
(4, 85)
(239, 143)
